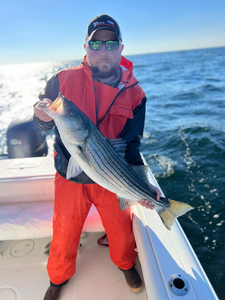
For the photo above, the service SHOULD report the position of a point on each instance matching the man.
(105, 89)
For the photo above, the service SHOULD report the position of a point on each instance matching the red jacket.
(77, 85)
(117, 112)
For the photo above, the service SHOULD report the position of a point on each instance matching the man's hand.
(40, 113)
(147, 203)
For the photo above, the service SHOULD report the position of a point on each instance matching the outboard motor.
(25, 139)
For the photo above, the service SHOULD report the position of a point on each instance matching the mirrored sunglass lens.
(112, 45)
(95, 45)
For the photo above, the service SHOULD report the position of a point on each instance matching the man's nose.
(104, 49)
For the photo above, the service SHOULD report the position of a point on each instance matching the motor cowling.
(25, 139)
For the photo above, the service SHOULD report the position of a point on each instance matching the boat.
(165, 259)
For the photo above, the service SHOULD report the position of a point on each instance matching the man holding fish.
(104, 88)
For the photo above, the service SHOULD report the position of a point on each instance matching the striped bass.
(102, 161)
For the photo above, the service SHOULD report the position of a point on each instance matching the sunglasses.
(97, 45)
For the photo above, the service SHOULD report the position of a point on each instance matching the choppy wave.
(161, 166)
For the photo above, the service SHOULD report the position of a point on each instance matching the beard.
(105, 71)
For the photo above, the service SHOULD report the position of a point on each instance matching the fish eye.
(70, 112)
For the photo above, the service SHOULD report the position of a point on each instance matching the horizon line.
(76, 59)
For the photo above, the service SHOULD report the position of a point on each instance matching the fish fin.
(142, 172)
(73, 169)
(125, 203)
(176, 210)
(119, 145)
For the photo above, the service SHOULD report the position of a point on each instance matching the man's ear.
(85, 47)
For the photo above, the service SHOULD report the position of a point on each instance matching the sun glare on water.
(20, 85)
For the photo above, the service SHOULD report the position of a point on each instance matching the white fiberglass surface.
(26, 277)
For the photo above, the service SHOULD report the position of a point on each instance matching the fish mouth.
(57, 105)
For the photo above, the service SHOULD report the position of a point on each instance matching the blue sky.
(47, 30)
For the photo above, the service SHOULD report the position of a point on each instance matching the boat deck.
(24, 277)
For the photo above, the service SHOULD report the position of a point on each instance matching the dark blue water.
(184, 138)
(184, 143)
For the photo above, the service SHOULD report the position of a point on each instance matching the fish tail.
(176, 210)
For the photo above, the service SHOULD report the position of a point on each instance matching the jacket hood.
(127, 64)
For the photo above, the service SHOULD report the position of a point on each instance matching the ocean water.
(184, 137)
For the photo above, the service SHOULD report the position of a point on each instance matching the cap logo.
(95, 24)
(110, 22)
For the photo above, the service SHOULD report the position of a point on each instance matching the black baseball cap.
(103, 22)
